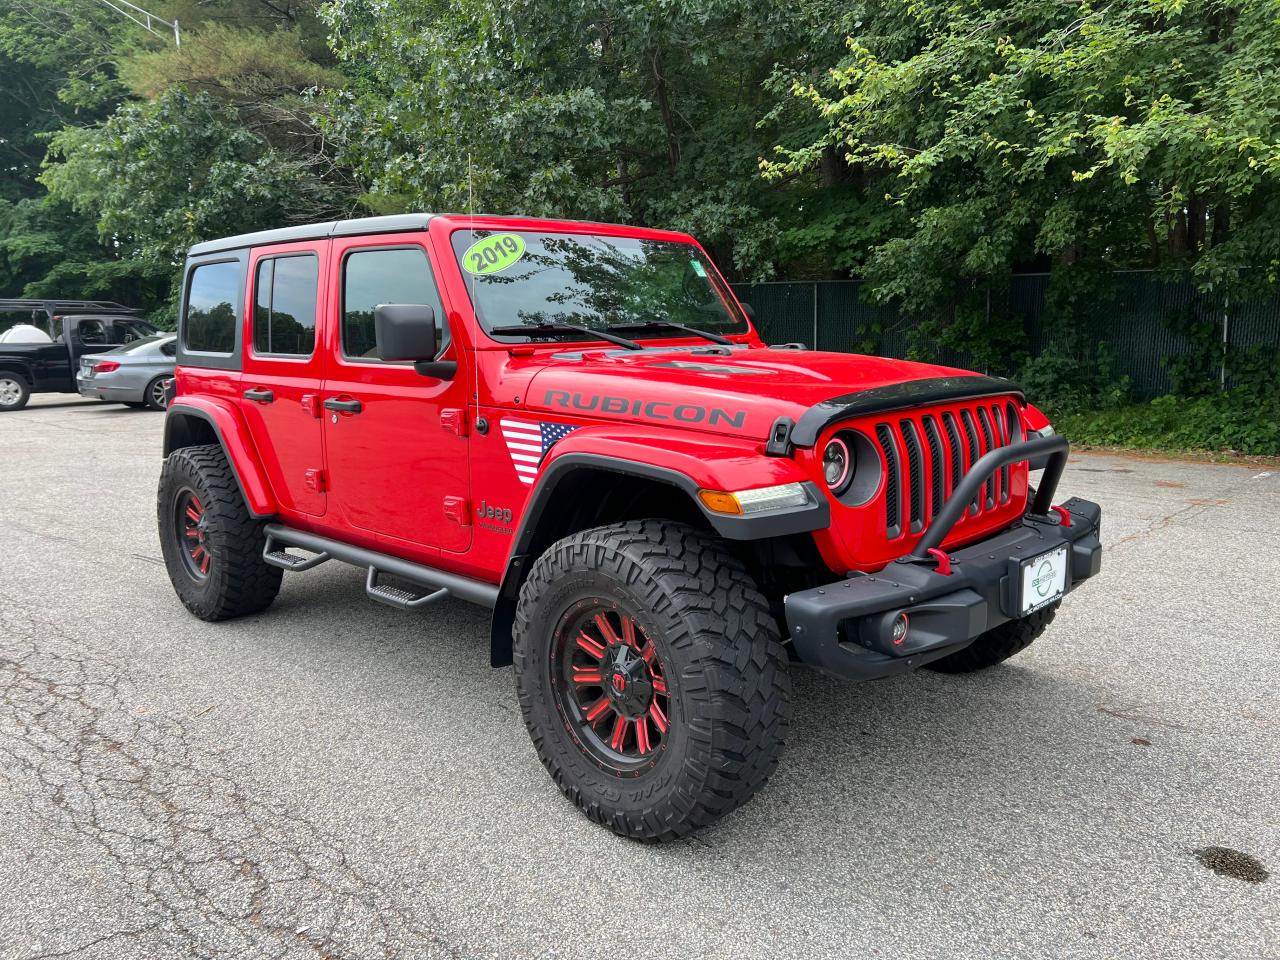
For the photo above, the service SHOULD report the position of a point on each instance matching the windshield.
(531, 279)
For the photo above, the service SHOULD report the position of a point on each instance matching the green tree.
(640, 111)
(1068, 135)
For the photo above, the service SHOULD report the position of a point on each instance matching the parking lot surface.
(337, 779)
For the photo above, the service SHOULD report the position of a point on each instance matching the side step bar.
(438, 583)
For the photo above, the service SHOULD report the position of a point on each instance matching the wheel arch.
(191, 422)
(562, 503)
(18, 367)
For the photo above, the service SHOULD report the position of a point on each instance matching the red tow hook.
(1065, 514)
(944, 561)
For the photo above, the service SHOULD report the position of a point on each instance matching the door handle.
(259, 394)
(346, 406)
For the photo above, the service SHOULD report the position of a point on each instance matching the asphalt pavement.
(337, 779)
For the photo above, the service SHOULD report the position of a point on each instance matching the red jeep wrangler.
(577, 426)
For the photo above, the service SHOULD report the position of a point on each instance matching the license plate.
(1044, 579)
(86, 370)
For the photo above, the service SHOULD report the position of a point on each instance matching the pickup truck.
(578, 426)
(64, 330)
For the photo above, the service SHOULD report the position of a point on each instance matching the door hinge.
(311, 404)
(316, 480)
(454, 421)
(456, 509)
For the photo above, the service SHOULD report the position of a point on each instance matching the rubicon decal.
(527, 442)
(652, 409)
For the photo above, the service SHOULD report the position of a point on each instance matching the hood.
(736, 392)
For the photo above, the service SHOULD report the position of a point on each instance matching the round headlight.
(837, 465)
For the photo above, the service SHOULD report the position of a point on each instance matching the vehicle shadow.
(867, 765)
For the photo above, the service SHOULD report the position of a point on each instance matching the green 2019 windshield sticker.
(493, 254)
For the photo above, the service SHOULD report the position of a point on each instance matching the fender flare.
(233, 436)
(815, 515)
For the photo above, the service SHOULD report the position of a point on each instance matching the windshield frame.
(740, 330)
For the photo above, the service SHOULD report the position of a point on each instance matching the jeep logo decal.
(652, 409)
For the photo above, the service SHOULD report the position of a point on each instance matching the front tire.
(696, 724)
(998, 644)
(14, 392)
(212, 546)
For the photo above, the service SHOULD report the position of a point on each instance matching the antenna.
(144, 19)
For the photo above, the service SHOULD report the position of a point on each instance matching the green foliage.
(1237, 421)
(1068, 381)
(1006, 132)
(161, 176)
(639, 111)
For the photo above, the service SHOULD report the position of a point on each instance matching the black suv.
(44, 359)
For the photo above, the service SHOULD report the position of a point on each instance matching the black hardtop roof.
(397, 223)
(59, 307)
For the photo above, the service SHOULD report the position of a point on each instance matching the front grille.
(927, 456)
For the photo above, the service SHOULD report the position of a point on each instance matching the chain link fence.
(1136, 313)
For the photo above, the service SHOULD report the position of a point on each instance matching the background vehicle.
(74, 328)
(134, 374)
(577, 425)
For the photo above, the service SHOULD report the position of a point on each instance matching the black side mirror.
(407, 331)
(748, 310)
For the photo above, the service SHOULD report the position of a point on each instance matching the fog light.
(900, 627)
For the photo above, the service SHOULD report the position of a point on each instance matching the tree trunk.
(664, 108)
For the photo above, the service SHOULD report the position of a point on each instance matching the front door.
(280, 388)
(394, 439)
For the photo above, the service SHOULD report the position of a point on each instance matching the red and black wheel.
(212, 545)
(611, 686)
(191, 521)
(651, 676)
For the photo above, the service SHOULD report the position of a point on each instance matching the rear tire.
(155, 398)
(997, 645)
(212, 546)
(708, 684)
(14, 392)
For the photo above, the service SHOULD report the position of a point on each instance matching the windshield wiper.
(534, 329)
(669, 325)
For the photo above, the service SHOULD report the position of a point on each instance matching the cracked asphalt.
(337, 779)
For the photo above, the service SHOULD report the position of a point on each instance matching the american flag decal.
(527, 442)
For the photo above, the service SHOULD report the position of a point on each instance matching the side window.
(91, 332)
(389, 275)
(213, 300)
(284, 305)
(126, 331)
(169, 349)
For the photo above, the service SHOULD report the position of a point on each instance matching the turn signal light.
(761, 499)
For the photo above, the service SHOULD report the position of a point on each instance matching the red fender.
(231, 431)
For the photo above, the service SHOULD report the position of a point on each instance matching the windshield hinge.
(779, 444)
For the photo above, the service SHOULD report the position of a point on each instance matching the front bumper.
(845, 628)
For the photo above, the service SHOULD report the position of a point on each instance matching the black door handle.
(346, 406)
(259, 394)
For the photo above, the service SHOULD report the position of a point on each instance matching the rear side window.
(388, 275)
(284, 305)
(213, 299)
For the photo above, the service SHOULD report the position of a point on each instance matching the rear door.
(395, 440)
(280, 387)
